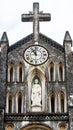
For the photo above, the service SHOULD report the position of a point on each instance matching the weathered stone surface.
(27, 119)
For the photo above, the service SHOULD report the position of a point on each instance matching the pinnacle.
(67, 36)
(4, 37)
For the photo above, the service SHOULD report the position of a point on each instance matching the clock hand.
(34, 51)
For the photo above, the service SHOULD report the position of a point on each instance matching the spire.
(4, 38)
(67, 37)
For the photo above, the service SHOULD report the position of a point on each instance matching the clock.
(36, 55)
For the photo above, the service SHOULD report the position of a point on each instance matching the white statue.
(36, 94)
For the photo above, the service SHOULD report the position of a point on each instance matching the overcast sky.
(61, 18)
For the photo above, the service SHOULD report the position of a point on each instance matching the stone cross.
(36, 16)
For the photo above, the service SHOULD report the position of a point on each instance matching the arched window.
(20, 72)
(19, 103)
(61, 71)
(52, 102)
(11, 72)
(51, 72)
(9, 103)
(62, 100)
(36, 95)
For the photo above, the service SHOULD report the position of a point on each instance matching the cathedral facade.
(36, 80)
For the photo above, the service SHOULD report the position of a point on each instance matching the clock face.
(36, 55)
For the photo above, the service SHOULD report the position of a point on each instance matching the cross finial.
(36, 16)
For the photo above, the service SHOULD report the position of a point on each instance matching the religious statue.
(36, 95)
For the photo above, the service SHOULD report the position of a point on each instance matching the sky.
(61, 19)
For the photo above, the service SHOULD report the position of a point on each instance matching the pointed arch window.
(11, 72)
(9, 103)
(52, 102)
(20, 72)
(19, 103)
(51, 72)
(62, 101)
(61, 72)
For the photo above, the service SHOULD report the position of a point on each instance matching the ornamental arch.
(36, 73)
(36, 127)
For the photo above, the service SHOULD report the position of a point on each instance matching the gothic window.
(9, 103)
(62, 99)
(20, 72)
(52, 102)
(36, 95)
(51, 72)
(60, 71)
(19, 102)
(11, 72)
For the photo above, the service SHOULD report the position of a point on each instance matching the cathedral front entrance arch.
(36, 127)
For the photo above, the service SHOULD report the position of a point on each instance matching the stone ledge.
(36, 116)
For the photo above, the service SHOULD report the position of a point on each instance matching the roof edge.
(41, 37)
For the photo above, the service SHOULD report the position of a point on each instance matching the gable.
(42, 38)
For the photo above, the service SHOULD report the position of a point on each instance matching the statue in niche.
(36, 96)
